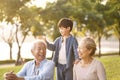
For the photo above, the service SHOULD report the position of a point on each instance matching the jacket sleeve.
(52, 46)
(75, 47)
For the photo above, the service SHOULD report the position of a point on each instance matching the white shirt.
(62, 54)
(94, 71)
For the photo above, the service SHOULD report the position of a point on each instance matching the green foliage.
(9, 8)
(16, 11)
(113, 17)
(23, 17)
(53, 13)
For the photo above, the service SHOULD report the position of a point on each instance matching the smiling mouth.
(40, 54)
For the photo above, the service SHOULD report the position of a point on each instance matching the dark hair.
(65, 22)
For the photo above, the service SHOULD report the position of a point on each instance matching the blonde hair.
(89, 44)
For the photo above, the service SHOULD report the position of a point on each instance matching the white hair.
(37, 41)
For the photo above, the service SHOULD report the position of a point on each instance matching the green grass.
(7, 69)
(111, 64)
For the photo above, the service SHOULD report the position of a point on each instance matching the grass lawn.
(7, 69)
(111, 64)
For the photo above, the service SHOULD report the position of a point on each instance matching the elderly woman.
(88, 68)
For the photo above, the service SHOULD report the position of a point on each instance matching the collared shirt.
(45, 71)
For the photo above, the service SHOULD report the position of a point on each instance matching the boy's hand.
(76, 61)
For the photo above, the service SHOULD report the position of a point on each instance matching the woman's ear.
(90, 50)
(31, 51)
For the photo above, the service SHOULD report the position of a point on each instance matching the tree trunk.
(10, 53)
(10, 45)
(19, 44)
(99, 41)
(18, 61)
(119, 46)
(119, 36)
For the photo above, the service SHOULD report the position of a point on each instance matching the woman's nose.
(41, 51)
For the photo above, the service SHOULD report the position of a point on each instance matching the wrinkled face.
(83, 51)
(39, 51)
(64, 31)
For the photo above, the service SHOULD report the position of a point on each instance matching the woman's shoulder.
(97, 62)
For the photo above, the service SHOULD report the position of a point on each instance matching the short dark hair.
(65, 22)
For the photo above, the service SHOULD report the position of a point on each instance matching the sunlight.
(104, 2)
(41, 3)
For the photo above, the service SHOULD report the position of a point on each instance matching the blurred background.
(22, 21)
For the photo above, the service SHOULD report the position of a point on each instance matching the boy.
(65, 48)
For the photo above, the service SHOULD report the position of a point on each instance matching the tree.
(112, 16)
(90, 20)
(27, 18)
(7, 35)
(9, 10)
(53, 13)
(23, 17)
